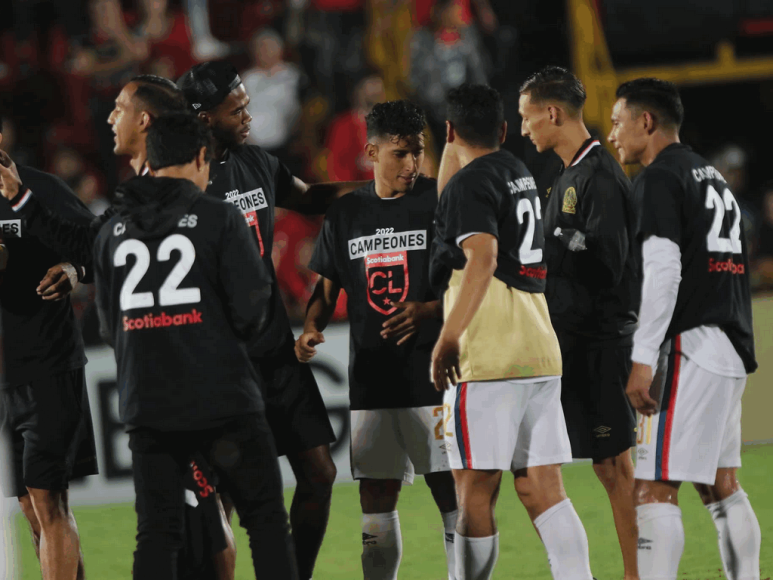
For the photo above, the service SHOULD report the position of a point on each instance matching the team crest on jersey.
(570, 201)
(547, 194)
(388, 280)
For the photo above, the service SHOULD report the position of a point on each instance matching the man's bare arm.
(319, 311)
(316, 198)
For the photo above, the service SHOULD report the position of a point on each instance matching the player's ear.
(554, 113)
(205, 117)
(201, 159)
(145, 120)
(371, 151)
(650, 125)
(503, 133)
(450, 132)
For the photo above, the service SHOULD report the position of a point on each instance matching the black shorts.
(204, 535)
(294, 407)
(48, 424)
(600, 419)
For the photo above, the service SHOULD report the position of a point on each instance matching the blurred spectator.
(347, 134)
(443, 56)
(762, 273)
(335, 31)
(168, 37)
(70, 166)
(20, 154)
(205, 45)
(731, 161)
(259, 14)
(274, 88)
(110, 61)
(486, 16)
(294, 238)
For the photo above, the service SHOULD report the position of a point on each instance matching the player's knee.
(49, 508)
(320, 482)
(705, 492)
(611, 477)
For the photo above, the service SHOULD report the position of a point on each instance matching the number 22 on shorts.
(645, 424)
(442, 424)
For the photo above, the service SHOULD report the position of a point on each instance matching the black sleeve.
(323, 260)
(660, 194)
(469, 207)
(244, 278)
(71, 237)
(604, 208)
(101, 280)
(283, 182)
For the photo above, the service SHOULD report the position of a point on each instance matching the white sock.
(449, 530)
(382, 546)
(661, 540)
(565, 541)
(739, 536)
(475, 557)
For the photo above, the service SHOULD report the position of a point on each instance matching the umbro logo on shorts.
(450, 537)
(368, 540)
(641, 452)
(644, 544)
(602, 431)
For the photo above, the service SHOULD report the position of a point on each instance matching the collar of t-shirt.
(584, 150)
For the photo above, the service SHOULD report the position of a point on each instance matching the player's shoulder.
(42, 183)
(252, 154)
(349, 204)
(672, 169)
(599, 163)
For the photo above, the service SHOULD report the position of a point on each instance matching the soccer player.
(210, 550)
(375, 244)
(694, 346)
(180, 291)
(44, 406)
(256, 183)
(497, 348)
(593, 291)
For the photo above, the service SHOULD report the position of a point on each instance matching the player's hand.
(406, 321)
(445, 362)
(638, 389)
(304, 346)
(10, 182)
(58, 282)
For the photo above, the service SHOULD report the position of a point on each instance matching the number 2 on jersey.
(720, 204)
(170, 293)
(527, 254)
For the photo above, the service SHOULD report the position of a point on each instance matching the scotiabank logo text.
(726, 266)
(162, 320)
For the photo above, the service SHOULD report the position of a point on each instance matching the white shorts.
(697, 429)
(397, 443)
(506, 425)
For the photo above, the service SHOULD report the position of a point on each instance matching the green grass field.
(107, 533)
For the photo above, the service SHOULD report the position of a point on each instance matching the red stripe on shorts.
(465, 428)
(671, 407)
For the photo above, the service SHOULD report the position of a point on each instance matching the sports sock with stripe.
(565, 541)
(661, 540)
(382, 546)
(739, 536)
(475, 557)
(449, 531)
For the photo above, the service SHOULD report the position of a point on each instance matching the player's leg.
(738, 530)
(160, 462)
(661, 532)
(301, 430)
(315, 474)
(225, 560)
(381, 465)
(542, 445)
(613, 431)
(254, 483)
(421, 431)
(59, 542)
(476, 542)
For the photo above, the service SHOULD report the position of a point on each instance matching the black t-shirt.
(181, 289)
(378, 251)
(596, 292)
(687, 201)
(257, 182)
(40, 337)
(494, 194)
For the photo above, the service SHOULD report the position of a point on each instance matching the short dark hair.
(207, 84)
(554, 83)
(159, 96)
(477, 114)
(658, 97)
(402, 119)
(176, 139)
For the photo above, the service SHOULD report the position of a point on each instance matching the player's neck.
(138, 161)
(467, 154)
(385, 192)
(570, 139)
(657, 143)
